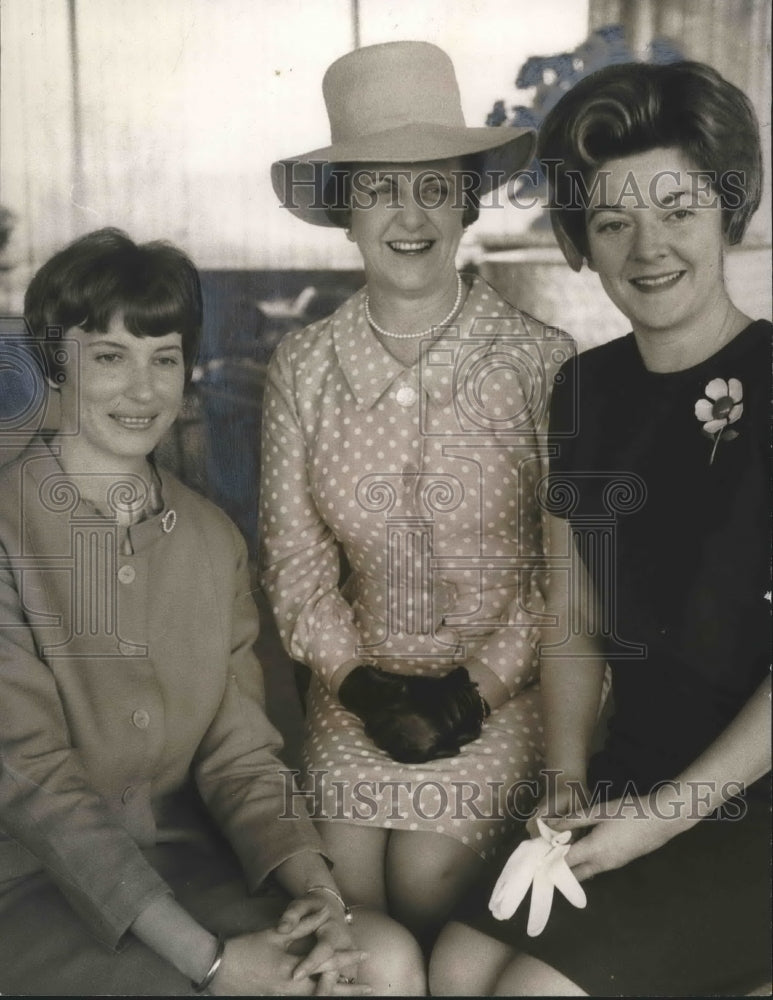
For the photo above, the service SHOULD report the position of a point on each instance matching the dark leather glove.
(415, 719)
(368, 688)
(452, 701)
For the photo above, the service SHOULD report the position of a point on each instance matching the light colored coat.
(124, 680)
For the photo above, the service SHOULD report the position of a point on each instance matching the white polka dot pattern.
(476, 797)
(426, 477)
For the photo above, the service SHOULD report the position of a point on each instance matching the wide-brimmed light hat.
(395, 103)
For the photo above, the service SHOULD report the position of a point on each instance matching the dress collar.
(367, 365)
(370, 369)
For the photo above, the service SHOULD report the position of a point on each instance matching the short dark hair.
(631, 108)
(154, 287)
(337, 191)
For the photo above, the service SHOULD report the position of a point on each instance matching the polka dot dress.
(425, 477)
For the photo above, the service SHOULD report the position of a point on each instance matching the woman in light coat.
(148, 844)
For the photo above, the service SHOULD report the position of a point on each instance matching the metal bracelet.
(348, 915)
(212, 971)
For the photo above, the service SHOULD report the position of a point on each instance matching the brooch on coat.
(722, 406)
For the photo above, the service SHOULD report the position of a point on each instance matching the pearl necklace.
(422, 333)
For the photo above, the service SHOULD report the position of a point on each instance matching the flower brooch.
(723, 407)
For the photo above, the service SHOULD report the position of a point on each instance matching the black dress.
(670, 507)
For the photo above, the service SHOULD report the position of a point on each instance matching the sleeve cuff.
(490, 684)
(110, 922)
(341, 673)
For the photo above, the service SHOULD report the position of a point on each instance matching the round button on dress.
(127, 574)
(406, 395)
(358, 462)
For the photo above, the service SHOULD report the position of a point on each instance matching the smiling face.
(655, 239)
(123, 397)
(407, 222)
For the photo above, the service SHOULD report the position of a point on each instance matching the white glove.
(539, 863)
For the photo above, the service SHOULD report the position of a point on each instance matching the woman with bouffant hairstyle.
(654, 171)
(685, 105)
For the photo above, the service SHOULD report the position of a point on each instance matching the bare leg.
(395, 966)
(426, 875)
(466, 962)
(358, 854)
(528, 977)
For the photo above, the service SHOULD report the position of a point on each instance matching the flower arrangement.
(550, 77)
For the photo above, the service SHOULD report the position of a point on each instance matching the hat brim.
(299, 181)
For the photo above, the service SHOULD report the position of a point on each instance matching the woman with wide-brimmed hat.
(404, 429)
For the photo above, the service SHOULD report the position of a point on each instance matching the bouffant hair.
(631, 108)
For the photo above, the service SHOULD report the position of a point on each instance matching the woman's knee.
(395, 964)
(358, 854)
(525, 976)
(416, 860)
(465, 962)
(427, 874)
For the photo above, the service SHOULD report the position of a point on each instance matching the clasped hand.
(279, 961)
(614, 833)
(414, 718)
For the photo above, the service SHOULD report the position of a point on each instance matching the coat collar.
(57, 493)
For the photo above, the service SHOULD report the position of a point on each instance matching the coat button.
(406, 395)
(126, 574)
(127, 794)
(140, 718)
